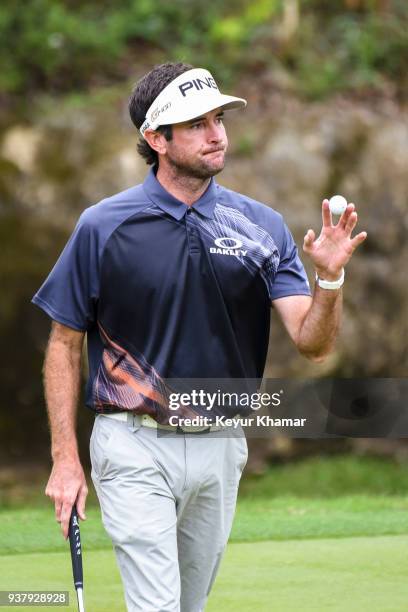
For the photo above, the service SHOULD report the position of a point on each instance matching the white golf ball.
(338, 204)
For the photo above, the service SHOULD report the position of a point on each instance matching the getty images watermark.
(202, 400)
(297, 408)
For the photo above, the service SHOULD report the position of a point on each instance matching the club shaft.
(80, 598)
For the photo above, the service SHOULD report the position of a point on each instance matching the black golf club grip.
(76, 551)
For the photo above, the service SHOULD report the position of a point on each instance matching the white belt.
(147, 421)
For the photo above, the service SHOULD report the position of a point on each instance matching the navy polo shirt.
(165, 290)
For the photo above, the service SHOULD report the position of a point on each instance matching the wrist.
(328, 282)
(327, 275)
(65, 455)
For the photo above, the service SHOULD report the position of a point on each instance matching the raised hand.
(331, 251)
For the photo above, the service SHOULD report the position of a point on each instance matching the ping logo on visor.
(190, 95)
(198, 84)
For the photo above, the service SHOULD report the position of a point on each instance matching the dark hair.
(143, 95)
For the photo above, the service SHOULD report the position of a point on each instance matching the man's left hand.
(331, 251)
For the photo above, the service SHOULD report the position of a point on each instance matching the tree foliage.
(68, 45)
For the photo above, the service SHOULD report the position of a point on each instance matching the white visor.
(190, 95)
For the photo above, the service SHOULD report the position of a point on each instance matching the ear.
(156, 140)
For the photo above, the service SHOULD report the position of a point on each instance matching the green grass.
(290, 518)
(313, 478)
(353, 574)
(348, 574)
(285, 518)
(335, 476)
(324, 534)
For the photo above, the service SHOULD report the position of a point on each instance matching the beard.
(202, 168)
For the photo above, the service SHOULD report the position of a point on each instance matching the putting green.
(353, 574)
(34, 530)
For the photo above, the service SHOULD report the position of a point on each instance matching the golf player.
(174, 279)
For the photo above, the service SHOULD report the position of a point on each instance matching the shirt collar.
(174, 207)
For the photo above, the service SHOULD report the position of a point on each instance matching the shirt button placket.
(192, 232)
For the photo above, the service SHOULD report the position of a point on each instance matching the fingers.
(346, 215)
(351, 223)
(63, 509)
(62, 505)
(308, 239)
(65, 517)
(52, 494)
(66, 486)
(81, 499)
(357, 240)
(58, 508)
(326, 214)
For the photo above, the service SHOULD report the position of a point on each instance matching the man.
(174, 279)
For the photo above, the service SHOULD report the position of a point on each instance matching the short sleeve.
(69, 294)
(290, 277)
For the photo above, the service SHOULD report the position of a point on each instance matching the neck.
(187, 189)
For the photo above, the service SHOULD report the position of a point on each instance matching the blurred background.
(326, 84)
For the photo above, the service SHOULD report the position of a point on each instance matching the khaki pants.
(168, 502)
